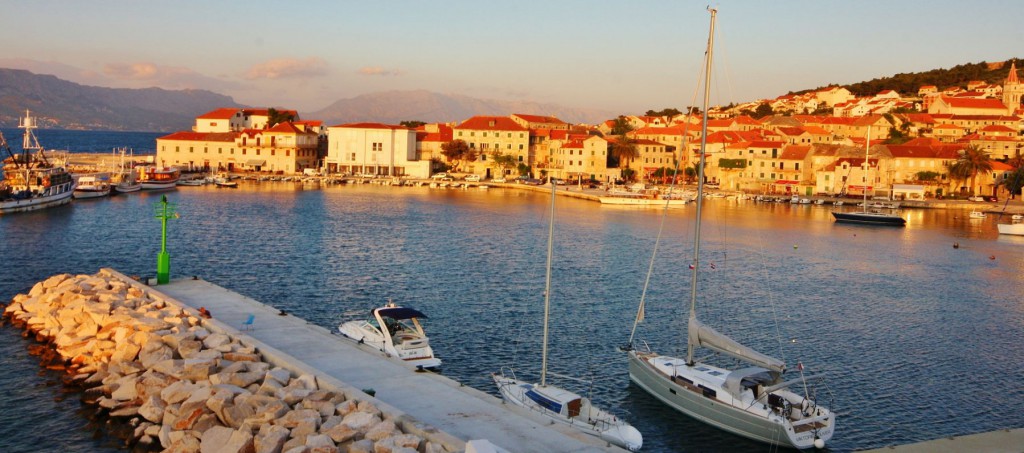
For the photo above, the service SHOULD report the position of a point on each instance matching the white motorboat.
(977, 214)
(397, 332)
(30, 180)
(751, 400)
(1012, 229)
(95, 185)
(154, 178)
(557, 404)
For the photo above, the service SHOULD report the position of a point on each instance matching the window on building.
(190, 149)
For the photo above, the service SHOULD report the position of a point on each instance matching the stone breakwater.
(185, 388)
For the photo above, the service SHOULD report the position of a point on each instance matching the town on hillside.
(951, 143)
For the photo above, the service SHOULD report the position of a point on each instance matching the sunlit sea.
(919, 339)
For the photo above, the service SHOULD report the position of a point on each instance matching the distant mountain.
(393, 107)
(60, 104)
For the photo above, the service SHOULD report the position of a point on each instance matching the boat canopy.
(707, 337)
(400, 313)
(734, 381)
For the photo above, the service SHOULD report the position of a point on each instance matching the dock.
(1001, 441)
(453, 409)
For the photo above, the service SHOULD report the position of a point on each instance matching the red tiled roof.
(201, 136)
(970, 103)
(538, 118)
(286, 128)
(996, 128)
(219, 114)
(491, 123)
(443, 134)
(795, 152)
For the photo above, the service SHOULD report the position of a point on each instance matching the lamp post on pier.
(164, 211)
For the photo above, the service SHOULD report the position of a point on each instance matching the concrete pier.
(433, 399)
(1002, 441)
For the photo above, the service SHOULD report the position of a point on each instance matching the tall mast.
(867, 166)
(547, 288)
(700, 180)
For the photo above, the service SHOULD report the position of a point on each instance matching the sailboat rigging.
(561, 405)
(752, 401)
(865, 216)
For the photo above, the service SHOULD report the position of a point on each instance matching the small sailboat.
(396, 331)
(865, 216)
(561, 405)
(753, 400)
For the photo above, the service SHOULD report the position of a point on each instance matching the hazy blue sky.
(621, 56)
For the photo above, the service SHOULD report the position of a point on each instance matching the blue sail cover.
(400, 313)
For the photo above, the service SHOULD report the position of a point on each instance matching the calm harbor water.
(919, 340)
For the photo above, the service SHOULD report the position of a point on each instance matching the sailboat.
(754, 400)
(865, 216)
(561, 405)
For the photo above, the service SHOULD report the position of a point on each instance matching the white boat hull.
(32, 204)
(415, 352)
(590, 420)
(159, 185)
(723, 416)
(629, 201)
(1013, 229)
(91, 193)
(127, 188)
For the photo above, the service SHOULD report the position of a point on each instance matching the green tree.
(524, 170)
(763, 110)
(664, 112)
(457, 152)
(624, 150)
(1014, 181)
(412, 124)
(927, 176)
(504, 162)
(275, 117)
(621, 126)
(972, 160)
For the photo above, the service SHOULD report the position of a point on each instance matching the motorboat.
(157, 178)
(977, 215)
(1012, 229)
(396, 331)
(95, 185)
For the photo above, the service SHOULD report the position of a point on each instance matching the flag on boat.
(691, 267)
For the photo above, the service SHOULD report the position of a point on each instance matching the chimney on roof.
(491, 123)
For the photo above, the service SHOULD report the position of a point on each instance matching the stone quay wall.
(188, 385)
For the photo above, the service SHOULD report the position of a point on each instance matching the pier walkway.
(1002, 441)
(434, 399)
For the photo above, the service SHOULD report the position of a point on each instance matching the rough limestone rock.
(320, 444)
(215, 439)
(381, 430)
(270, 439)
(360, 421)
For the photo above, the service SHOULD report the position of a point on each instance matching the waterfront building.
(284, 148)
(580, 157)
(916, 158)
(430, 138)
(491, 135)
(373, 150)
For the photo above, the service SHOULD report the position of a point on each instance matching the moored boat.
(1012, 229)
(395, 331)
(154, 178)
(30, 180)
(96, 185)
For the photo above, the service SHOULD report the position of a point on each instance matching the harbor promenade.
(433, 399)
(1002, 441)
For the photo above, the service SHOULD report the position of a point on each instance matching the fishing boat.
(865, 216)
(752, 400)
(30, 180)
(558, 404)
(95, 185)
(396, 331)
(155, 178)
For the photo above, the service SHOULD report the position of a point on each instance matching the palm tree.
(625, 150)
(972, 160)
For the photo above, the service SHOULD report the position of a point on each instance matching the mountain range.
(60, 104)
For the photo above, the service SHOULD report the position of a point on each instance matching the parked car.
(473, 178)
(975, 198)
(498, 180)
(441, 175)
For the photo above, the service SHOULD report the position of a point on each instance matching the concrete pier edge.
(406, 422)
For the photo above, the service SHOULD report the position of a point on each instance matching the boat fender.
(46, 181)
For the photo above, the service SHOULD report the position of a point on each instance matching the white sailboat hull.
(692, 401)
(1014, 229)
(590, 420)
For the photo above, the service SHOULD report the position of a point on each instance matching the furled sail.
(701, 335)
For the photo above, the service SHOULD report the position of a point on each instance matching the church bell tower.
(1013, 90)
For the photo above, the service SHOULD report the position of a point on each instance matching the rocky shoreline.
(185, 386)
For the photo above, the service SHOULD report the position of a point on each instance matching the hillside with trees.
(908, 84)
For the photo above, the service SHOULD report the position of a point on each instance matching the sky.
(622, 56)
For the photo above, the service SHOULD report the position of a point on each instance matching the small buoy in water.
(991, 257)
(794, 246)
(792, 340)
(956, 245)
